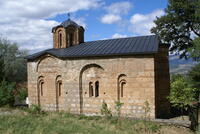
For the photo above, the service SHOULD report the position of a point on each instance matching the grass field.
(22, 122)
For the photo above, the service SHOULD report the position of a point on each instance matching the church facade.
(78, 76)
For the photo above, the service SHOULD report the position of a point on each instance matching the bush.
(22, 94)
(105, 111)
(194, 78)
(146, 110)
(35, 109)
(118, 106)
(7, 93)
(182, 94)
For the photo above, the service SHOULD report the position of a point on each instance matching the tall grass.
(65, 123)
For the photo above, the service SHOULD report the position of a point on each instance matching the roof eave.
(93, 56)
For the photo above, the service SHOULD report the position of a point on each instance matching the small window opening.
(59, 88)
(91, 93)
(60, 40)
(71, 38)
(96, 89)
(122, 88)
(41, 88)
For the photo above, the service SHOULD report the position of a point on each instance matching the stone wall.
(76, 74)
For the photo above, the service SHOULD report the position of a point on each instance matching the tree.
(195, 50)
(6, 93)
(194, 78)
(12, 61)
(179, 26)
(12, 70)
(182, 94)
(1, 69)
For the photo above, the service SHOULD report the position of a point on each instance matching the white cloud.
(80, 21)
(42, 8)
(117, 35)
(110, 18)
(119, 7)
(142, 23)
(26, 22)
(115, 12)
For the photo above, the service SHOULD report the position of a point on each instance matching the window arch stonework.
(121, 86)
(60, 40)
(91, 90)
(96, 88)
(59, 86)
(58, 91)
(89, 74)
(40, 88)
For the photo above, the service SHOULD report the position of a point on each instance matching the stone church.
(77, 76)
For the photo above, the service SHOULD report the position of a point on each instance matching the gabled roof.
(110, 47)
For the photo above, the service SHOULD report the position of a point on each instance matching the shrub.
(105, 110)
(7, 93)
(146, 114)
(181, 94)
(118, 106)
(194, 78)
(146, 110)
(22, 94)
(35, 109)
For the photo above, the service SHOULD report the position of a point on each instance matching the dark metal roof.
(69, 22)
(110, 47)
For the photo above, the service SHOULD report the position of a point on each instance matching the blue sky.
(29, 22)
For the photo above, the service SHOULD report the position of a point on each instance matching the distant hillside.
(180, 66)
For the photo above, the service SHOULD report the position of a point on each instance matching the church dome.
(69, 22)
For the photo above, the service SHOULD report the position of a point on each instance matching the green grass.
(65, 123)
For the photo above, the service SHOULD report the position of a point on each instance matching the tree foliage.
(12, 62)
(105, 110)
(179, 26)
(12, 70)
(182, 94)
(6, 93)
(194, 77)
(1, 69)
(195, 50)
(118, 106)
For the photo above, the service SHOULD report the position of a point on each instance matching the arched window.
(121, 86)
(71, 38)
(91, 92)
(96, 89)
(60, 40)
(59, 88)
(123, 83)
(41, 87)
